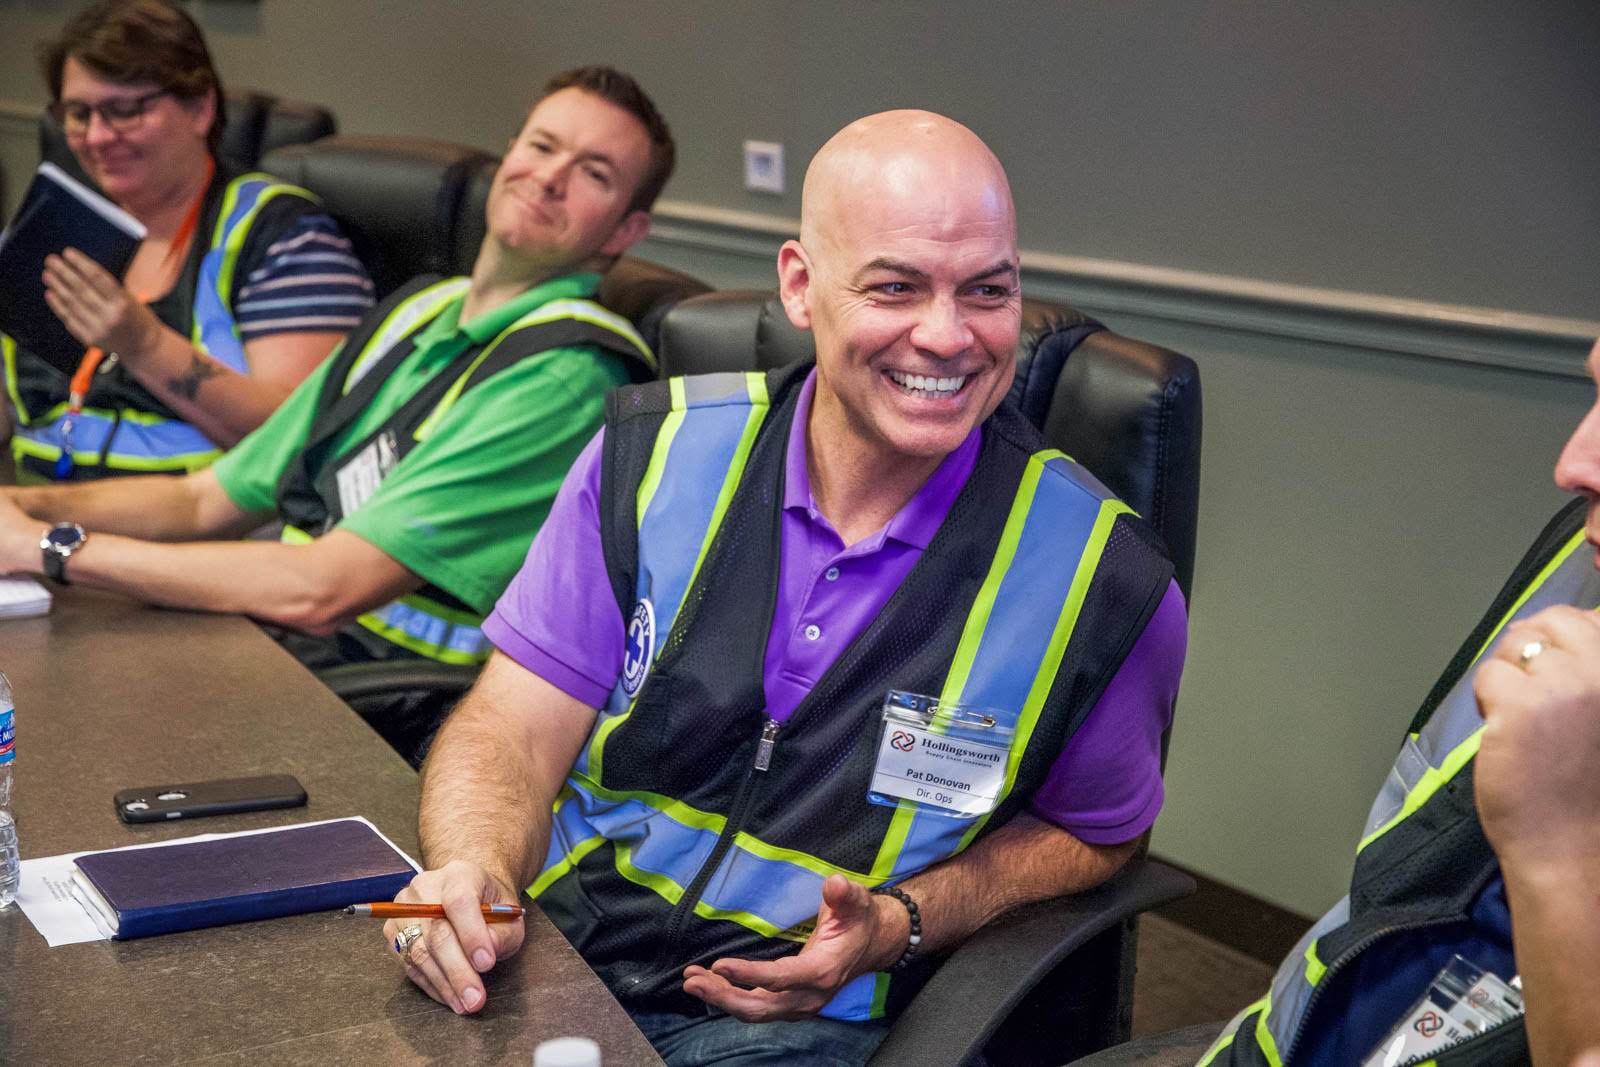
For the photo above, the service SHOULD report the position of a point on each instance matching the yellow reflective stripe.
(595, 315)
(1231, 1031)
(1434, 777)
(1066, 624)
(1315, 968)
(293, 535)
(749, 921)
(1427, 785)
(558, 870)
(438, 652)
(1533, 587)
(660, 884)
(880, 995)
(8, 352)
(677, 809)
(188, 461)
(141, 418)
(385, 336)
(232, 241)
(658, 455)
(1264, 1039)
(755, 384)
(815, 864)
(966, 650)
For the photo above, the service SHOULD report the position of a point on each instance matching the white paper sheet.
(47, 897)
(21, 598)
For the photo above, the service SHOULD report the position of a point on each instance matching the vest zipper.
(769, 741)
(1339, 964)
(736, 816)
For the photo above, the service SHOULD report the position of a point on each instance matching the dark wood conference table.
(113, 695)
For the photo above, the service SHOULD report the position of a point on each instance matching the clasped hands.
(96, 308)
(1535, 779)
(856, 933)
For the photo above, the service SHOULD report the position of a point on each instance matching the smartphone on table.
(223, 796)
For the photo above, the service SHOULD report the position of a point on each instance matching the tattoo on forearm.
(200, 368)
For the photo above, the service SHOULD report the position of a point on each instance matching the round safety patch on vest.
(640, 648)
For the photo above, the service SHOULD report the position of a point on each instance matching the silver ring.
(1529, 652)
(407, 937)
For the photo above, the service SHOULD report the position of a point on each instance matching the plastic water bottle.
(10, 862)
(567, 1052)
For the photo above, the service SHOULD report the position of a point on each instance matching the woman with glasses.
(240, 289)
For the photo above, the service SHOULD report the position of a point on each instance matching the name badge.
(947, 759)
(359, 477)
(1463, 1002)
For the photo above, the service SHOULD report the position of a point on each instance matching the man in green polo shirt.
(414, 466)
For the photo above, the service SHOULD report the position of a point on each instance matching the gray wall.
(1416, 181)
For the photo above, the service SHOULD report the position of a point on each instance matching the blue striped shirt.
(309, 281)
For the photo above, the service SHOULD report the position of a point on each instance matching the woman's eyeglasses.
(122, 114)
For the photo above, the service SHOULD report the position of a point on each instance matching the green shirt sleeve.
(461, 509)
(250, 470)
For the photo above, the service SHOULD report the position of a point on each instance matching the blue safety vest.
(693, 827)
(1423, 862)
(144, 435)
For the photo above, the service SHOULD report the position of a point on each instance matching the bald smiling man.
(811, 674)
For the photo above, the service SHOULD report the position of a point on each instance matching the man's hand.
(19, 538)
(1537, 790)
(856, 933)
(96, 308)
(447, 959)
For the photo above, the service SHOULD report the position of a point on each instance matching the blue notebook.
(56, 212)
(162, 889)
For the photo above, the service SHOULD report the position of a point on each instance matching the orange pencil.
(388, 909)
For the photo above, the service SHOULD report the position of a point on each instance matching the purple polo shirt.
(559, 619)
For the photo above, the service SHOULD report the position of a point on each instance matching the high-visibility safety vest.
(691, 826)
(1423, 859)
(430, 622)
(124, 428)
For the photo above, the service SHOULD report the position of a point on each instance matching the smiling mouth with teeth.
(921, 385)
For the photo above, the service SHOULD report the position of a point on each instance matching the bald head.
(906, 274)
(888, 169)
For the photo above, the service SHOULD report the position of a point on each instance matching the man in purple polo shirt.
(906, 271)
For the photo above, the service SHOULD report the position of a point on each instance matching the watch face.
(64, 536)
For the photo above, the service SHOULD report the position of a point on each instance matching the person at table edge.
(629, 736)
(413, 468)
(249, 284)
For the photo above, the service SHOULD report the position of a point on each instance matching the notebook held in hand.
(166, 888)
(57, 212)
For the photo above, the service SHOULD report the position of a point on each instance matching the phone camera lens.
(135, 805)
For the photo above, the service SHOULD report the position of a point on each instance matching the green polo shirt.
(461, 509)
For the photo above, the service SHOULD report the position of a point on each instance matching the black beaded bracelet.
(915, 941)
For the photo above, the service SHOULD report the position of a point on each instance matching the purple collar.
(920, 518)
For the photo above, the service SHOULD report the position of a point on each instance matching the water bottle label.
(8, 737)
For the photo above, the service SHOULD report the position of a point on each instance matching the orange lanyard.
(84, 375)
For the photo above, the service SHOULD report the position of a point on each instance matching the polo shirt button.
(813, 632)
(832, 574)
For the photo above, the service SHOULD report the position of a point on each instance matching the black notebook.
(57, 212)
(139, 892)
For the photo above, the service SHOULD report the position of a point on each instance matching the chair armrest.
(978, 986)
(354, 681)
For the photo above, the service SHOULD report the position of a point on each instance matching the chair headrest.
(1126, 410)
(398, 198)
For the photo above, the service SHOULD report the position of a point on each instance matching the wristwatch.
(58, 543)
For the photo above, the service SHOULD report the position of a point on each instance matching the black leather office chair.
(1054, 981)
(257, 123)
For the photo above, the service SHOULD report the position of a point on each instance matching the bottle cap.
(567, 1052)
